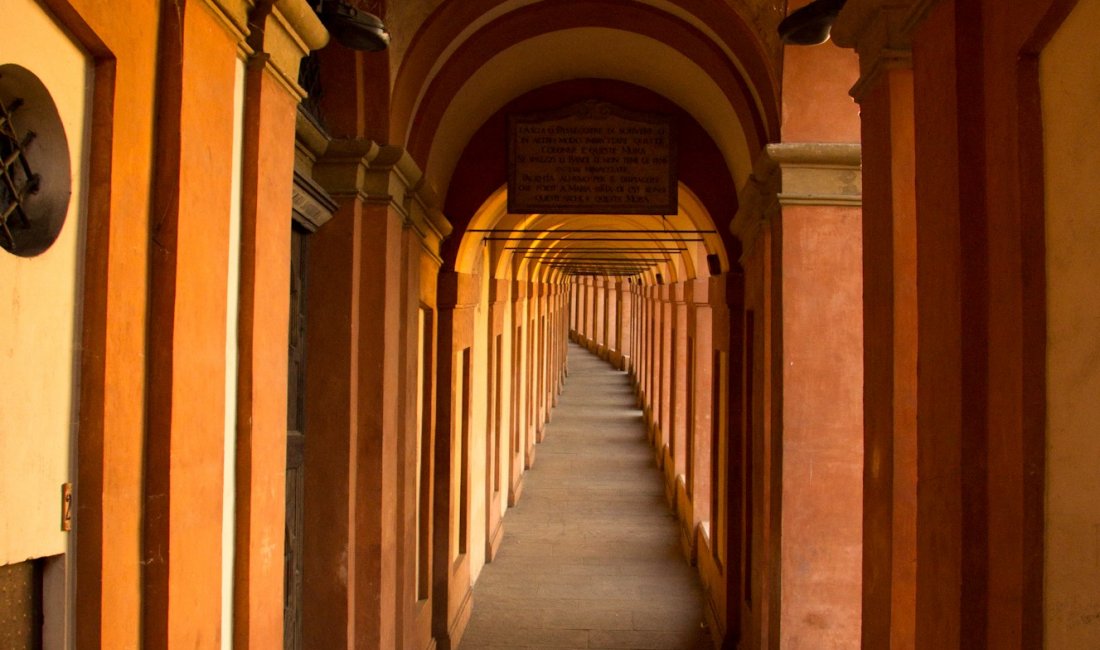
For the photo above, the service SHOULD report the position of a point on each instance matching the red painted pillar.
(187, 319)
(806, 444)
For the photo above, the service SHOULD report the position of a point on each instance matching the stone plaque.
(591, 158)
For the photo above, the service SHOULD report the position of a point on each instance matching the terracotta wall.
(982, 317)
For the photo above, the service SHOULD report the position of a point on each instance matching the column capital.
(280, 34)
(677, 292)
(519, 290)
(797, 173)
(384, 175)
(233, 15)
(458, 290)
(699, 291)
(499, 291)
(880, 31)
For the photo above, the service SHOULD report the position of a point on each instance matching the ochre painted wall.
(1070, 83)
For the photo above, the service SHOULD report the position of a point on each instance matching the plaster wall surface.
(807, 115)
(479, 427)
(1070, 83)
(38, 336)
(822, 436)
(506, 400)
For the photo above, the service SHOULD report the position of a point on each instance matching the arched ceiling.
(472, 58)
(625, 246)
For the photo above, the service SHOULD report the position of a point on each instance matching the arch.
(707, 193)
(530, 242)
(438, 107)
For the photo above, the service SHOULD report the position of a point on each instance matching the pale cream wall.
(421, 334)
(1070, 79)
(506, 343)
(456, 448)
(229, 480)
(479, 432)
(39, 325)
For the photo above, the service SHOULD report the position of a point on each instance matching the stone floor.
(590, 557)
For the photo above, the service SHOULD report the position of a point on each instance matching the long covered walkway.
(591, 558)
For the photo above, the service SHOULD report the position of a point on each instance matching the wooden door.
(295, 444)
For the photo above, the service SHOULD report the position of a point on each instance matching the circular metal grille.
(35, 171)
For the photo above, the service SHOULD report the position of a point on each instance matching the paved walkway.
(591, 556)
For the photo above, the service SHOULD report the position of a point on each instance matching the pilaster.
(882, 35)
(621, 348)
(676, 420)
(459, 295)
(356, 415)
(697, 507)
(270, 109)
(663, 377)
(188, 325)
(520, 460)
(800, 223)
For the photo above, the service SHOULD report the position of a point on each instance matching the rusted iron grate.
(17, 180)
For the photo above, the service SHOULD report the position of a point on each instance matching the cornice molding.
(290, 31)
(384, 175)
(233, 15)
(298, 17)
(310, 142)
(312, 206)
(700, 292)
(817, 174)
(280, 33)
(881, 32)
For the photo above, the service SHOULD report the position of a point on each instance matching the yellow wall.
(506, 388)
(40, 326)
(1070, 78)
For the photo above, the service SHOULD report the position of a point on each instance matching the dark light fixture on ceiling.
(811, 24)
(353, 28)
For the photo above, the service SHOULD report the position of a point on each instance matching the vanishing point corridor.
(591, 557)
(287, 291)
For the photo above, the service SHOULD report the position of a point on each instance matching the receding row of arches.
(863, 341)
(474, 355)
